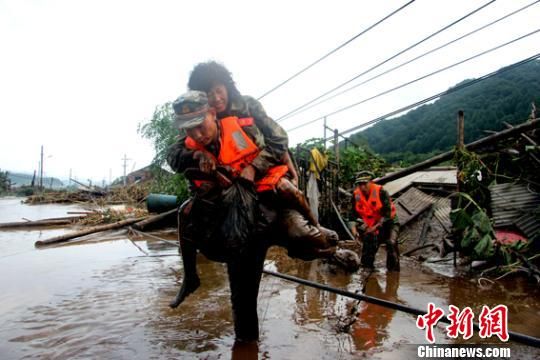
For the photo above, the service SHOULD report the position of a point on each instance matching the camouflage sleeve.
(386, 210)
(179, 157)
(353, 215)
(355, 219)
(275, 138)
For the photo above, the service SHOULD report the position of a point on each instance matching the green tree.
(355, 159)
(161, 132)
(4, 182)
(352, 159)
(432, 127)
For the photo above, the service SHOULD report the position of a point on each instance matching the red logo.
(429, 320)
(491, 322)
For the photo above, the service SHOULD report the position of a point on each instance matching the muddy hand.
(207, 164)
(248, 173)
(188, 287)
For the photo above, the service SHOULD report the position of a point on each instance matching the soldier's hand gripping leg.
(191, 281)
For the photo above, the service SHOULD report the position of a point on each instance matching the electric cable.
(518, 337)
(390, 58)
(311, 103)
(446, 92)
(416, 80)
(336, 49)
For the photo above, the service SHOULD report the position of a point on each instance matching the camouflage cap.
(190, 109)
(364, 177)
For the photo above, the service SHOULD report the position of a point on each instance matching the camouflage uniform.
(277, 221)
(275, 138)
(267, 134)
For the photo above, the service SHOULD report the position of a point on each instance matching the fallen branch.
(92, 230)
(43, 222)
(407, 253)
(141, 225)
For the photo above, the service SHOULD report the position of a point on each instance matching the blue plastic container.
(160, 203)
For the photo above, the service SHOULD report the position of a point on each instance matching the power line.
(311, 105)
(336, 49)
(387, 60)
(416, 80)
(446, 92)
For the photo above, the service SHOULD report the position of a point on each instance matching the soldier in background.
(377, 221)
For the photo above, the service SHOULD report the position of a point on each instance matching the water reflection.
(108, 300)
(313, 304)
(370, 328)
(245, 351)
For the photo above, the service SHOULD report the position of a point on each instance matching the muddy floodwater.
(104, 298)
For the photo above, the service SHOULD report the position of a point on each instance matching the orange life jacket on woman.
(237, 151)
(370, 209)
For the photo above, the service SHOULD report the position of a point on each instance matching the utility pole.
(336, 145)
(324, 134)
(69, 184)
(460, 146)
(41, 170)
(125, 159)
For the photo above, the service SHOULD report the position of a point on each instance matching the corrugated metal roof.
(444, 176)
(441, 211)
(412, 203)
(529, 225)
(510, 202)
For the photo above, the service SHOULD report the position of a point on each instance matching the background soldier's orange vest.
(370, 209)
(237, 151)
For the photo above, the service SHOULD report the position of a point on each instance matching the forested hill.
(432, 127)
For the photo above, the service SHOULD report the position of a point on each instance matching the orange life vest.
(237, 151)
(370, 209)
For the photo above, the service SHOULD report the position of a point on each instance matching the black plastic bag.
(240, 215)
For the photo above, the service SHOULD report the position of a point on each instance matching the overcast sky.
(79, 76)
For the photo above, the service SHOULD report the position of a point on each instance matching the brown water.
(104, 299)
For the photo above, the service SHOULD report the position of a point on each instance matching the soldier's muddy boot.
(347, 259)
(191, 281)
(330, 236)
(188, 287)
(188, 251)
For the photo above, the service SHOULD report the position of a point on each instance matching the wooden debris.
(92, 230)
(505, 134)
(142, 225)
(43, 222)
(22, 224)
(132, 194)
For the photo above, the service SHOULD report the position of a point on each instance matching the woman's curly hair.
(205, 75)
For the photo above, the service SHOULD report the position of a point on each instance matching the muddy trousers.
(302, 239)
(245, 273)
(388, 234)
